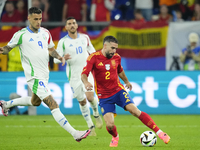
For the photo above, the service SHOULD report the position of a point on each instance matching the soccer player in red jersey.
(106, 67)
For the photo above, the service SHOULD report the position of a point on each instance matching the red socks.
(113, 131)
(148, 121)
(145, 118)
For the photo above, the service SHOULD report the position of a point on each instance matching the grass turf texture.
(43, 133)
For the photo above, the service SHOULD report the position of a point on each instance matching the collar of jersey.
(71, 38)
(31, 30)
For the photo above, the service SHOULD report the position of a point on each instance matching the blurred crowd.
(136, 11)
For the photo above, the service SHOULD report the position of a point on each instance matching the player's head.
(110, 45)
(35, 18)
(71, 25)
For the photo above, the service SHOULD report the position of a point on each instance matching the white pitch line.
(121, 126)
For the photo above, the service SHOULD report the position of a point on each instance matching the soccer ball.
(148, 138)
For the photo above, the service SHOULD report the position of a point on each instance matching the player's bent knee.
(83, 102)
(35, 100)
(36, 103)
(110, 126)
(90, 98)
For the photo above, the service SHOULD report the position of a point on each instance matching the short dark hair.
(69, 18)
(110, 39)
(34, 10)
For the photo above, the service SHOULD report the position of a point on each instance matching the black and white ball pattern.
(148, 138)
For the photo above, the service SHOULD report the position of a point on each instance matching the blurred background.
(158, 43)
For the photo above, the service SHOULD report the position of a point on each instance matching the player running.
(35, 44)
(76, 47)
(106, 67)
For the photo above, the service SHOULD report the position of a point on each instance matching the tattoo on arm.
(6, 49)
(54, 54)
(50, 102)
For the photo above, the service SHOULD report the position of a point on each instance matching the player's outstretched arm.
(125, 79)
(54, 54)
(87, 84)
(66, 57)
(5, 50)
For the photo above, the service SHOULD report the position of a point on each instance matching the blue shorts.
(122, 98)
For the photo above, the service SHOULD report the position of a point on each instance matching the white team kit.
(79, 49)
(34, 57)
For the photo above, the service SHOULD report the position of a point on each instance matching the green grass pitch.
(23, 132)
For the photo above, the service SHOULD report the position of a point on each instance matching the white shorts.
(39, 87)
(78, 88)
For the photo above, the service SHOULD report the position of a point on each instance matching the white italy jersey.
(34, 51)
(78, 49)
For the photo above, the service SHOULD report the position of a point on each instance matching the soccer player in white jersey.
(76, 47)
(35, 44)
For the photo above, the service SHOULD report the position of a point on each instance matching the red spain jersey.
(105, 72)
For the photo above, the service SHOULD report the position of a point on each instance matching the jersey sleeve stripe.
(49, 40)
(87, 41)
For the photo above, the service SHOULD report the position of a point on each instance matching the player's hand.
(67, 56)
(88, 86)
(63, 61)
(129, 86)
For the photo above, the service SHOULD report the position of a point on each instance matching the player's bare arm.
(125, 79)
(87, 84)
(5, 50)
(55, 54)
(50, 102)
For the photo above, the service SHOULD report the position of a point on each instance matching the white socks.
(22, 101)
(62, 121)
(159, 131)
(86, 115)
(94, 107)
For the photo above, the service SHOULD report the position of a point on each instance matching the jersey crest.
(107, 66)
(113, 63)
